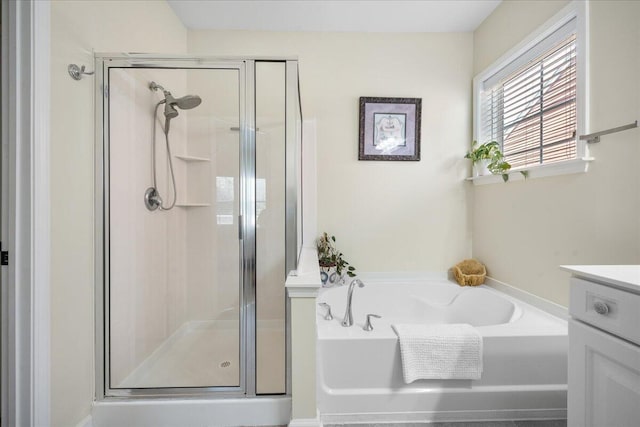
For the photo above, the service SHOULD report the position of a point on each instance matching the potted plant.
(488, 159)
(482, 156)
(499, 166)
(333, 266)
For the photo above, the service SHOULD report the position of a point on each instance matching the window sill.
(542, 171)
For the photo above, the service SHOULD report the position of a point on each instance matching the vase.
(329, 276)
(481, 167)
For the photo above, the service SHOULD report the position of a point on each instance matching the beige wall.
(499, 32)
(78, 28)
(387, 216)
(523, 230)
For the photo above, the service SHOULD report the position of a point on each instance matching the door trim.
(25, 308)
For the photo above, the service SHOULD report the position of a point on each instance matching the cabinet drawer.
(606, 308)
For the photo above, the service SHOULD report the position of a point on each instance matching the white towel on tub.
(446, 351)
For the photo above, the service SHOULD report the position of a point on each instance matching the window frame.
(575, 10)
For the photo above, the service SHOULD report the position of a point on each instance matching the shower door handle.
(240, 227)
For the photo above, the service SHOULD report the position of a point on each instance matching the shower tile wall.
(147, 249)
(212, 231)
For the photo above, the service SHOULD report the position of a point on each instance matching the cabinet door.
(604, 379)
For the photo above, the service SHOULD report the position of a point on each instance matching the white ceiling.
(335, 15)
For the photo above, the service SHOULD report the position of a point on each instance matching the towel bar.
(595, 137)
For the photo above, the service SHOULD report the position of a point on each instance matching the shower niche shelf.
(192, 158)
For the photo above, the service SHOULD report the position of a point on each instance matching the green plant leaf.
(486, 151)
(329, 256)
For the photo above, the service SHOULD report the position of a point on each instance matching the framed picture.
(390, 128)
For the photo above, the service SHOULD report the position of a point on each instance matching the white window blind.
(529, 106)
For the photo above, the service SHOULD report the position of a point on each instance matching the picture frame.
(390, 128)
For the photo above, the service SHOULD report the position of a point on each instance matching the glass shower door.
(174, 285)
(271, 272)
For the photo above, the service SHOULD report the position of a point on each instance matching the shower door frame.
(246, 70)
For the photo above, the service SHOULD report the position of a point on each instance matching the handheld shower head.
(169, 111)
(186, 102)
(153, 200)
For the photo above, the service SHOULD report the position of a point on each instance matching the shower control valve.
(152, 199)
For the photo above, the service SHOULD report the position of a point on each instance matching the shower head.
(186, 102)
(189, 101)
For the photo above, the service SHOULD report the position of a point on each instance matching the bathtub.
(360, 373)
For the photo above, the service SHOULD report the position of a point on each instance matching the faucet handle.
(367, 325)
(328, 316)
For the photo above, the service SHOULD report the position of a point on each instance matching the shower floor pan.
(206, 354)
(198, 354)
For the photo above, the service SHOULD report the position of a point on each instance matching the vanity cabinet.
(604, 346)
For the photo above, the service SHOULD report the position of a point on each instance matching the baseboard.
(305, 422)
(531, 299)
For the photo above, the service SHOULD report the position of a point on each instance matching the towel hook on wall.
(77, 72)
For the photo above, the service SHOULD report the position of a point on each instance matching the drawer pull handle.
(601, 308)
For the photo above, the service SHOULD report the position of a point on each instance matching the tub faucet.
(348, 315)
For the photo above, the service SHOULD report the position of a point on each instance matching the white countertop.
(305, 282)
(621, 276)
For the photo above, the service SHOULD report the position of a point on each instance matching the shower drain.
(225, 364)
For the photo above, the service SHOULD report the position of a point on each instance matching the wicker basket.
(469, 272)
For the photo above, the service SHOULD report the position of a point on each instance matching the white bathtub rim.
(418, 276)
(527, 318)
(540, 303)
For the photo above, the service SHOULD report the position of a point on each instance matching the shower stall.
(198, 222)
